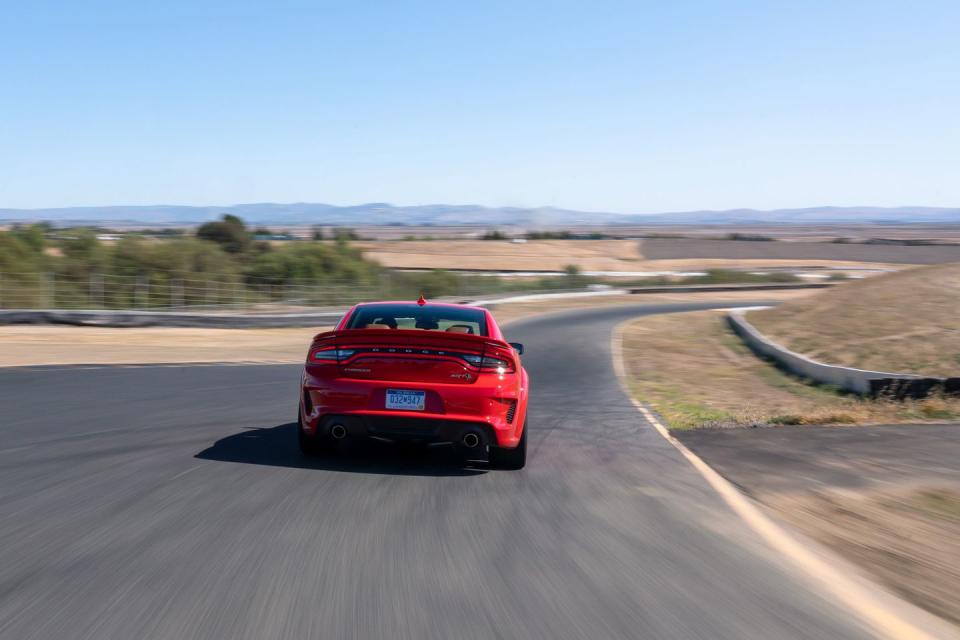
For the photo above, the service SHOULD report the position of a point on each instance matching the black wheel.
(310, 445)
(510, 458)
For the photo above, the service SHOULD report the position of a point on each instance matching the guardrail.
(232, 320)
(759, 286)
(859, 381)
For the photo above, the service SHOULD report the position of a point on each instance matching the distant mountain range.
(377, 213)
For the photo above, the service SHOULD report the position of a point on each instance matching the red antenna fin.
(421, 300)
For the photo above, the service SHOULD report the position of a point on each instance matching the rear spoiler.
(413, 338)
(417, 336)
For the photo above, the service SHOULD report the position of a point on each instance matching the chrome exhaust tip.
(471, 440)
(338, 431)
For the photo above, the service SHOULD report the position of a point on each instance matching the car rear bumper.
(490, 408)
(408, 429)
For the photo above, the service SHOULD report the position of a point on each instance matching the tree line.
(42, 266)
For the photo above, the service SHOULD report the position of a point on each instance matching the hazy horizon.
(281, 203)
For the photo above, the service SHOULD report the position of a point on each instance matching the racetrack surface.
(171, 502)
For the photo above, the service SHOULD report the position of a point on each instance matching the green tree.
(34, 235)
(345, 234)
(229, 232)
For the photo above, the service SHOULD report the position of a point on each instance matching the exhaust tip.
(338, 431)
(471, 440)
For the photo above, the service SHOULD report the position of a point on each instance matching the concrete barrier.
(860, 381)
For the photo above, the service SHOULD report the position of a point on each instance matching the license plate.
(406, 400)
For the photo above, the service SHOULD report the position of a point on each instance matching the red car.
(423, 372)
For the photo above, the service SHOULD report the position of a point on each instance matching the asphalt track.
(171, 502)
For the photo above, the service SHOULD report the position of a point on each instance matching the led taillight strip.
(482, 362)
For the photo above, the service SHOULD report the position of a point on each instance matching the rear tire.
(515, 458)
(309, 445)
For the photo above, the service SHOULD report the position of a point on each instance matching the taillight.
(490, 363)
(495, 364)
(331, 354)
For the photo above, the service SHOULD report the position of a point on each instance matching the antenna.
(421, 300)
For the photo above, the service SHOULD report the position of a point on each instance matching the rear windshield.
(412, 316)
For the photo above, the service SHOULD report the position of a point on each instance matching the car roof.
(426, 304)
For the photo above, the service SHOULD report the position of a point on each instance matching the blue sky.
(615, 106)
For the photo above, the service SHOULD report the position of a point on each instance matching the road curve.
(170, 502)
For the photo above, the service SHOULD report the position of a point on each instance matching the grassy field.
(601, 255)
(899, 322)
(697, 373)
(535, 255)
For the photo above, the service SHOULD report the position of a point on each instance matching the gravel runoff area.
(680, 248)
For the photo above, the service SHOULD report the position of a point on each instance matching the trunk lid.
(409, 355)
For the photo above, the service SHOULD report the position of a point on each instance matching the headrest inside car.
(460, 328)
(377, 325)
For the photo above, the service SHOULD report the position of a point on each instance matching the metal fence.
(159, 292)
(87, 288)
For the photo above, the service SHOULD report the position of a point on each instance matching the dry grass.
(697, 373)
(899, 322)
(535, 255)
(554, 255)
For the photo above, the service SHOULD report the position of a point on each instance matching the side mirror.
(517, 347)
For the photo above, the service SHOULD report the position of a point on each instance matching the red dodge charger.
(422, 372)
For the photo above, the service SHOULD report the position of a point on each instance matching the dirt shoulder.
(63, 345)
(886, 497)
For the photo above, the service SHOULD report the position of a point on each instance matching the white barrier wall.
(853, 380)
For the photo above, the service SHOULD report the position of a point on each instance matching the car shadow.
(277, 447)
